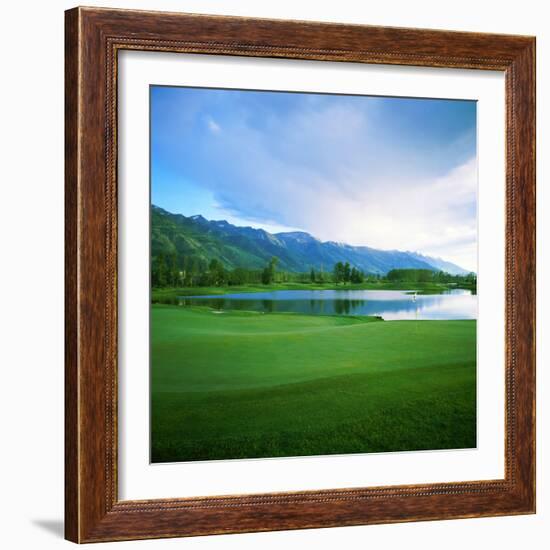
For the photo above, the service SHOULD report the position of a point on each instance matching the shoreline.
(169, 294)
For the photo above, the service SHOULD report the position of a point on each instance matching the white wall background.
(31, 304)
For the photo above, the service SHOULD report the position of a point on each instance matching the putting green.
(240, 384)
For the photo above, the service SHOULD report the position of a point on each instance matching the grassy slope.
(241, 384)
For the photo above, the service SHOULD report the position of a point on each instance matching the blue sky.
(391, 173)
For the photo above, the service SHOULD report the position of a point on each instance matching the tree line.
(192, 271)
(429, 276)
(344, 273)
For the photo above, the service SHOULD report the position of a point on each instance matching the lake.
(388, 304)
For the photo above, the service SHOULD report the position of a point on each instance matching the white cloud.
(213, 126)
(323, 171)
(435, 216)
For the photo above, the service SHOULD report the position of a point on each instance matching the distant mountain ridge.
(297, 251)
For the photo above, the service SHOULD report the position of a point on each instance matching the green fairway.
(243, 384)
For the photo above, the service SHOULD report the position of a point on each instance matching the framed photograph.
(300, 275)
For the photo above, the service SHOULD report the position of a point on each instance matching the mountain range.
(297, 251)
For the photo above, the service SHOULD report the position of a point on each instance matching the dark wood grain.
(71, 268)
(93, 38)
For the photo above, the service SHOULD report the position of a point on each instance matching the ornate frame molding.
(93, 38)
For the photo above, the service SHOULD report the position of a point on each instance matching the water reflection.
(388, 304)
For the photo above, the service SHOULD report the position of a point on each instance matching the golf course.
(229, 384)
(313, 273)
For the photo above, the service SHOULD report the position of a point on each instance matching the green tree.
(357, 276)
(347, 272)
(321, 275)
(216, 272)
(159, 271)
(268, 274)
(312, 275)
(338, 272)
(239, 276)
(173, 272)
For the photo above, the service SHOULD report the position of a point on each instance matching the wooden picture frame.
(93, 511)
